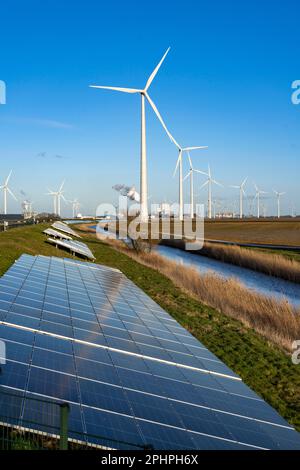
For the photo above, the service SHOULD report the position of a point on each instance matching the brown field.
(277, 232)
(262, 231)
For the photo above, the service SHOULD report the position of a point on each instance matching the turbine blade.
(61, 186)
(7, 179)
(177, 163)
(217, 183)
(186, 149)
(153, 106)
(151, 78)
(186, 176)
(245, 181)
(204, 184)
(12, 194)
(201, 172)
(232, 186)
(115, 88)
(190, 160)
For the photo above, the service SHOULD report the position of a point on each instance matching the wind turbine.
(190, 175)
(57, 195)
(278, 195)
(143, 164)
(257, 196)
(179, 164)
(242, 193)
(75, 206)
(209, 183)
(6, 190)
(54, 194)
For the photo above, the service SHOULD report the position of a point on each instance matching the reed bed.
(271, 264)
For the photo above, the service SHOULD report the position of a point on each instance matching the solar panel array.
(74, 247)
(54, 233)
(85, 334)
(65, 228)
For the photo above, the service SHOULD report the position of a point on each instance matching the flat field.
(276, 232)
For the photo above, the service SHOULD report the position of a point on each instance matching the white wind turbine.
(75, 207)
(179, 164)
(209, 182)
(278, 196)
(57, 195)
(190, 175)
(242, 193)
(6, 190)
(143, 165)
(257, 196)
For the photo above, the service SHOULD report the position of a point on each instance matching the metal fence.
(30, 423)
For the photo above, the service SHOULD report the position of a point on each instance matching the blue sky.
(226, 83)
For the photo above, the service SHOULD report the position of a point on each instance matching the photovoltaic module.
(85, 334)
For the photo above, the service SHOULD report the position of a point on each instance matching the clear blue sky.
(226, 83)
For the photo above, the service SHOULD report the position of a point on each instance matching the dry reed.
(271, 264)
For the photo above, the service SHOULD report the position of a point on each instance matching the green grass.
(265, 368)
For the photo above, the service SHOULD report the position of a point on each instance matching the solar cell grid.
(56, 234)
(73, 246)
(117, 364)
(65, 228)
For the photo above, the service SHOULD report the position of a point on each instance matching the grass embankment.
(263, 366)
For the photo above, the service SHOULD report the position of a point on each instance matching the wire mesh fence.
(31, 423)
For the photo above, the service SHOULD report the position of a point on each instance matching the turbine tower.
(6, 190)
(278, 195)
(190, 175)
(257, 196)
(242, 193)
(143, 163)
(209, 182)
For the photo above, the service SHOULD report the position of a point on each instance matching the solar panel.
(85, 334)
(74, 247)
(56, 234)
(65, 228)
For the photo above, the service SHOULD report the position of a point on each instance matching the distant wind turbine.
(190, 175)
(209, 182)
(57, 195)
(6, 190)
(242, 193)
(75, 207)
(143, 165)
(278, 196)
(257, 196)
